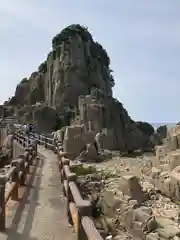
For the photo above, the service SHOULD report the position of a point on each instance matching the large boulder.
(45, 118)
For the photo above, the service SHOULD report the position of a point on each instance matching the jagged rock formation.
(74, 67)
(166, 165)
(75, 64)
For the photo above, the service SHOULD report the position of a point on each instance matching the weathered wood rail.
(16, 175)
(48, 143)
(79, 211)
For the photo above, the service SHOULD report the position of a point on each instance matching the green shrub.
(43, 67)
(70, 32)
(24, 80)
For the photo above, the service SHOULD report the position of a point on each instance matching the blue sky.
(141, 37)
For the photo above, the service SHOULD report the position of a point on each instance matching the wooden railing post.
(24, 141)
(15, 178)
(82, 211)
(29, 142)
(2, 203)
(45, 142)
(22, 169)
(68, 200)
(69, 196)
(12, 148)
(17, 137)
(31, 156)
(39, 139)
(34, 147)
(48, 144)
(20, 141)
(26, 155)
(62, 174)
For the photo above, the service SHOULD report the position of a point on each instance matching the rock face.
(6, 151)
(99, 111)
(75, 64)
(64, 82)
(165, 171)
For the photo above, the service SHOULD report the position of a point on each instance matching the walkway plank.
(41, 212)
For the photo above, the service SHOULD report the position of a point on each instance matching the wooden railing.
(79, 211)
(48, 142)
(15, 176)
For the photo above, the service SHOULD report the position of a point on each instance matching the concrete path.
(40, 213)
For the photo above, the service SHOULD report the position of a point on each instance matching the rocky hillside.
(75, 65)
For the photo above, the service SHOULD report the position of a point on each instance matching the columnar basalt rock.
(76, 76)
(99, 112)
(165, 172)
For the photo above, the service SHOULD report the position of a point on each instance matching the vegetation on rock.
(146, 128)
(33, 75)
(162, 131)
(43, 67)
(70, 32)
(24, 80)
(97, 51)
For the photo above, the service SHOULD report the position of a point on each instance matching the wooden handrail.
(79, 211)
(43, 140)
(90, 230)
(17, 174)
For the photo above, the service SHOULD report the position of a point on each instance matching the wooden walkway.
(41, 212)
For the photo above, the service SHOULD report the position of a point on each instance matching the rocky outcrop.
(162, 131)
(99, 111)
(159, 135)
(166, 165)
(6, 151)
(45, 118)
(75, 66)
(29, 91)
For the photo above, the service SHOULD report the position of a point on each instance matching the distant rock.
(162, 131)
